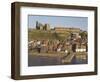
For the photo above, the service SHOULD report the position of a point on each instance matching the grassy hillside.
(42, 34)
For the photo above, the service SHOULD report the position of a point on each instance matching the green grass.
(41, 34)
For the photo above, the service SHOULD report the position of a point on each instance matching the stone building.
(66, 29)
(40, 26)
(46, 27)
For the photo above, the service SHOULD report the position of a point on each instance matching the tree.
(83, 35)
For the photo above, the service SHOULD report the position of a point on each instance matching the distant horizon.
(58, 21)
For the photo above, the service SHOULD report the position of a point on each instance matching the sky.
(57, 21)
